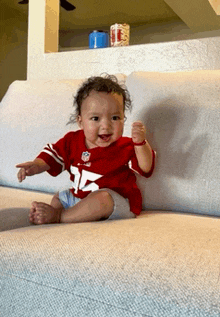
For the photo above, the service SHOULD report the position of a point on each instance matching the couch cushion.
(182, 114)
(32, 114)
(155, 265)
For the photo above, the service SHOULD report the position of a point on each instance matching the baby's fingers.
(23, 171)
(137, 124)
(21, 175)
(24, 165)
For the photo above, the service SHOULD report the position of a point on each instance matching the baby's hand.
(26, 169)
(138, 132)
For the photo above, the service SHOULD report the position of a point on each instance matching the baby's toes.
(32, 212)
(34, 219)
(40, 218)
(37, 213)
(31, 218)
(44, 213)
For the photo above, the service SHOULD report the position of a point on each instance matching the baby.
(97, 158)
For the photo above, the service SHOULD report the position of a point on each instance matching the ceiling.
(197, 14)
(95, 13)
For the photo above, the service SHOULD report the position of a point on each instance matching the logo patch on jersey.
(85, 156)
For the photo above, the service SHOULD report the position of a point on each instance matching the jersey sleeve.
(55, 155)
(136, 168)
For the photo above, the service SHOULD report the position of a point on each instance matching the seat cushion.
(159, 264)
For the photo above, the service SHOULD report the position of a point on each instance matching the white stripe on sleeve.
(48, 149)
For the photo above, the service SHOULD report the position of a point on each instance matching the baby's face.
(102, 118)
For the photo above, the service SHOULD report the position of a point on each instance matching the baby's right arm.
(31, 168)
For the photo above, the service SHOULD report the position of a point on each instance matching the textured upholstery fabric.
(156, 265)
(182, 114)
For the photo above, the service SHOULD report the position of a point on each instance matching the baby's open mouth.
(105, 137)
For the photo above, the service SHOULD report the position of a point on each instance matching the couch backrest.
(182, 114)
(180, 110)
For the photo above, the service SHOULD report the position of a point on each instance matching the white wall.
(168, 56)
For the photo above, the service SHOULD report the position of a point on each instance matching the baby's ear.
(79, 121)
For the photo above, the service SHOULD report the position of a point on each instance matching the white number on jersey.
(81, 179)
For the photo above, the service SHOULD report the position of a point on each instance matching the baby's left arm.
(143, 152)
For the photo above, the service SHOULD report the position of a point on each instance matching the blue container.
(98, 39)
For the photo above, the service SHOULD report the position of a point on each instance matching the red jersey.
(100, 167)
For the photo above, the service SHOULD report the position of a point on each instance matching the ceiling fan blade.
(66, 5)
(23, 2)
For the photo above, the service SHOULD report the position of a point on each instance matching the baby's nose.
(106, 123)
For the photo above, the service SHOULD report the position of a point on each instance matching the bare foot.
(41, 213)
(32, 214)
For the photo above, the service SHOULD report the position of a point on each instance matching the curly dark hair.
(108, 84)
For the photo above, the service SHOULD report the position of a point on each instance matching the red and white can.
(119, 34)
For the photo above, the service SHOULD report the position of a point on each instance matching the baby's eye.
(95, 118)
(114, 118)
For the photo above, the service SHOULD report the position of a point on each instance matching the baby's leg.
(41, 213)
(96, 206)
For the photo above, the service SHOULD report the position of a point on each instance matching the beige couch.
(163, 263)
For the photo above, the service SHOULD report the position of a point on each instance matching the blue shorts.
(121, 205)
